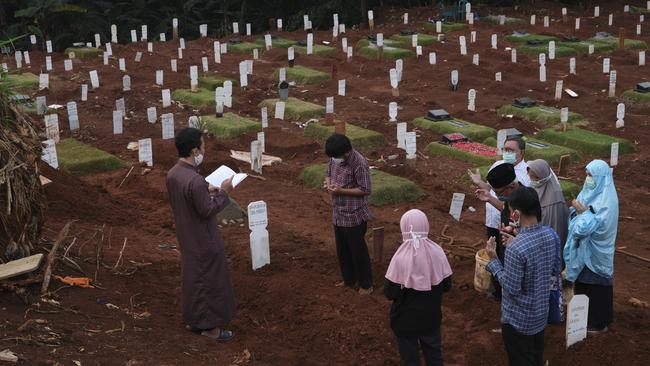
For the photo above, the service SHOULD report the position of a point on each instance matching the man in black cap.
(503, 181)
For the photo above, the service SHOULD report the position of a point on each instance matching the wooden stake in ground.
(621, 38)
(378, 244)
(563, 169)
(49, 263)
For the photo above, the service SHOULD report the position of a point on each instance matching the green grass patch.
(83, 53)
(230, 125)
(633, 96)
(585, 141)
(81, 159)
(202, 98)
(494, 19)
(472, 131)
(542, 115)
(423, 40)
(439, 149)
(560, 49)
(530, 37)
(361, 138)
(638, 10)
(630, 44)
(304, 75)
(212, 82)
(277, 43)
(392, 49)
(551, 153)
(446, 27)
(245, 47)
(295, 108)
(24, 82)
(318, 50)
(583, 46)
(386, 188)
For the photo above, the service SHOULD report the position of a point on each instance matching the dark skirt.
(601, 303)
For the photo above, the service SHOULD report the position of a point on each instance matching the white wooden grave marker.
(152, 115)
(613, 156)
(576, 323)
(117, 122)
(166, 98)
(411, 147)
(49, 154)
(279, 110)
(167, 121)
(41, 105)
(456, 207)
(256, 157)
(620, 115)
(392, 111)
(52, 127)
(84, 92)
(73, 116)
(145, 151)
(259, 237)
(265, 117)
(401, 135)
(558, 89)
(471, 100)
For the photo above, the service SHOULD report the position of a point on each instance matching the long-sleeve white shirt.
(492, 215)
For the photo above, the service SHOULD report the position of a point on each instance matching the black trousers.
(352, 253)
(431, 345)
(523, 350)
(601, 304)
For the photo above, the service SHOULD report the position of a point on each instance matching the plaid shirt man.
(526, 278)
(350, 211)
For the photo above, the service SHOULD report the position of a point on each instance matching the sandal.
(224, 335)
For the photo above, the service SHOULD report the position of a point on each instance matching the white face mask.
(198, 159)
(338, 160)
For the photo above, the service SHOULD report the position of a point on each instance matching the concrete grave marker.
(166, 98)
(117, 122)
(411, 147)
(620, 115)
(152, 115)
(606, 65)
(341, 91)
(401, 135)
(49, 154)
(392, 111)
(576, 322)
(613, 156)
(558, 89)
(471, 100)
(126, 83)
(279, 110)
(167, 121)
(73, 116)
(256, 157)
(67, 65)
(259, 237)
(84, 92)
(456, 207)
(265, 117)
(612, 84)
(52, 127)
(41, 105)
(145, 152)
(43, 81)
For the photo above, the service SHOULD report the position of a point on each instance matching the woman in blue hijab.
(589, 250)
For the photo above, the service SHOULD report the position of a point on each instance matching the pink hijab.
(418, 263)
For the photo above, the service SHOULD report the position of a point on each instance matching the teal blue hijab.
(592, 235)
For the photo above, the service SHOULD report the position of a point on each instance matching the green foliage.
(25, 82)
(361, 138)
(295, 109)
(84, 52)
(632, 96)
(200, 98)
(387, 189)
(423, 40)
(542, 115)
(230, 125)
(318, 50)
(586, 141)
(81, 159)
(211, 82)
(304, 75)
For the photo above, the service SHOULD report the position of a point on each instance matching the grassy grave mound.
(245, 47)
(630, 44)
(392, 49)
(546, 116)
(423, 40)
(538, 149)
(295, 108)
(24, 82)
(202, 98)
(83, 53)
(560, 49)
(494, 19)
(530, 37)
(633, 96)
(583, 46)
(276, 42)
(318, 50)
(386, 188)
(361, 138)
(472, 131)
(446, 27)
(230, 125)
(304, 75)
(212, 82)
(570, 190)
(81, 159)
(585, 141)
(440, 149)
(639, 10)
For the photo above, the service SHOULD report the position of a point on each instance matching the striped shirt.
(350, 211)
(525, 278)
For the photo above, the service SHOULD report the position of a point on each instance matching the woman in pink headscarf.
(417, 276)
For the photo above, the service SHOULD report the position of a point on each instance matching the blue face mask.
(509, 157)
(590, 182)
